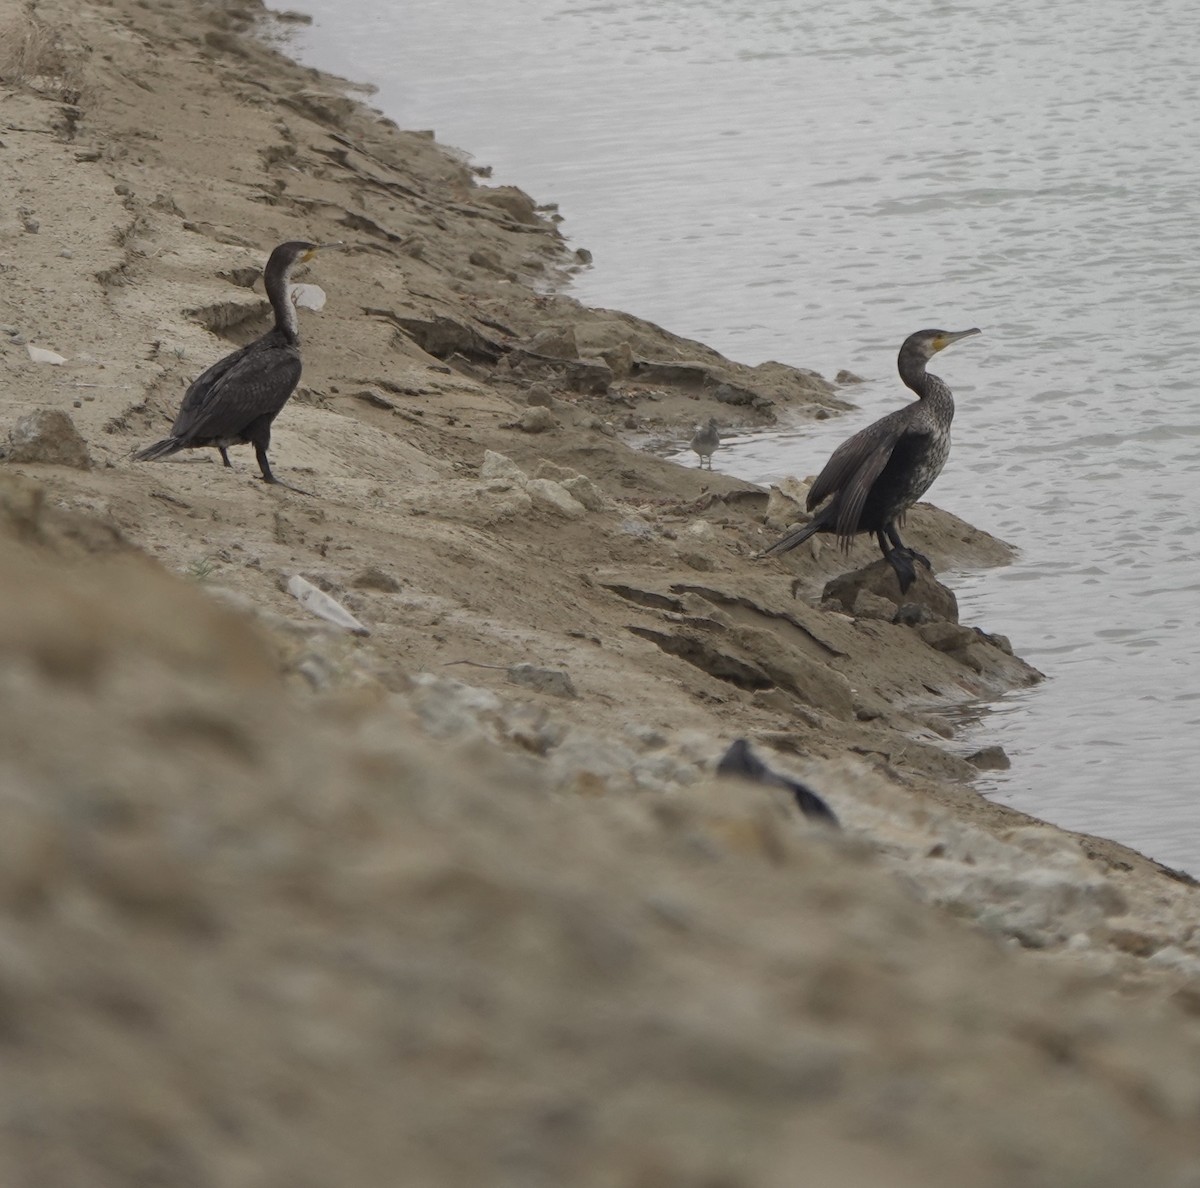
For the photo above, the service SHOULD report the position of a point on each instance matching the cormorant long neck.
(275, 281)
(930, 388)
(911, 366)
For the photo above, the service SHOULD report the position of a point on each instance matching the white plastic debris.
(40, 355)
(308, 296)
(324, 607)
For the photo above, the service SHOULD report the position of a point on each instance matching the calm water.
(811, 183)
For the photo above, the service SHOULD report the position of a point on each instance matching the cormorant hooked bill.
(237, 398)
(880, 472)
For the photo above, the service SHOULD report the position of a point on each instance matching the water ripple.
(810, 183)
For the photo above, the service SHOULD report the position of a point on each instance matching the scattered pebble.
(41, 355)
(374, 578)
(323, 606)
(48, 435)
(307, 296)
(991, 758)
(536, 420)
(556, 497)
(554, 681)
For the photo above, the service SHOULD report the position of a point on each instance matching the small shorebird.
(237, 398)
(880, 472)
(706, 441)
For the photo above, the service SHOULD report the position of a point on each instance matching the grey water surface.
(810, 183)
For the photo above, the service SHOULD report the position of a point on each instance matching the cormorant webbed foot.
(901, 561)
(277, 482)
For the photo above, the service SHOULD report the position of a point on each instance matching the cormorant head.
(287, 255)
(925, 344)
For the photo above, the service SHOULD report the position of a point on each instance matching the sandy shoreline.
(261, 871)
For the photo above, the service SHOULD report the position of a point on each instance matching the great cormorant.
(237, 398)
(706, 440)
(880, 472)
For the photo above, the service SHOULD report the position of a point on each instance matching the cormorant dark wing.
(256, 384)
(872, 457)
(845, 461)
(203, 384)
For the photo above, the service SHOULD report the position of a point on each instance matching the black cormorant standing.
(742, 762)
(706, 440)
(880, 472)
(237, 398)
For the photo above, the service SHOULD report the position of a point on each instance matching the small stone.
(946, 637)
(536, 420)
(871, 606)
(48, 435)
(549, 494)
(698, 561)
(636, 526)
(619, 360)
(848, 377)
(990, 759)
(785, 504)
(483, 258)
(323, 605)
(539, 395)
(513, 202)
(551, 470)
(912, 614)
(374, 578)
(999, 641)
(556, 341)
(500, 468)
(583, 255)
(880, 579)
(545, 680)
(41, 355)
(586, 491)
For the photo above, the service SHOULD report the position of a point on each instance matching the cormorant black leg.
(260, 452)
(898, 557)
(901, 562)
(894, 537)
(225, 456)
